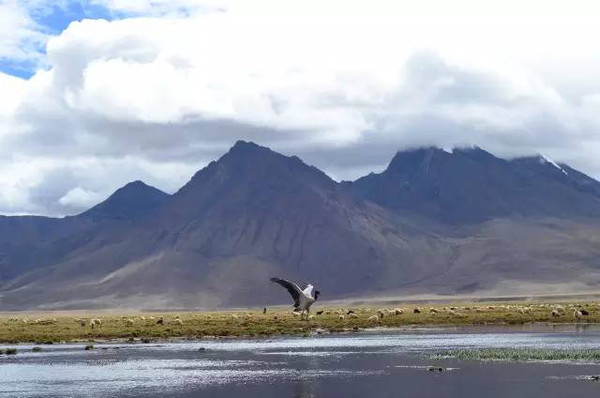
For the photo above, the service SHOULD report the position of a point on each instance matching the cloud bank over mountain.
(154, 90)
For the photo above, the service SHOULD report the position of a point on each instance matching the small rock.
(435, 369)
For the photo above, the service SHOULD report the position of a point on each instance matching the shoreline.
(408, 329)
(54, 327)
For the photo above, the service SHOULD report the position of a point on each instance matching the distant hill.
(432, 222)
(471, 185)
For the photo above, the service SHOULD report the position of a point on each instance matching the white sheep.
(352, 315)
(178, 322)
(342, 317)
(577, 314)
(373, 318)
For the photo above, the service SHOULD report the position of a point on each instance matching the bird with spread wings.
(303, 298)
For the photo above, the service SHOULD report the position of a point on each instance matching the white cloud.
(20, 37)
(174, 86)
(79, 197)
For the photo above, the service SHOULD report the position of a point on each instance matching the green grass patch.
(49, 328)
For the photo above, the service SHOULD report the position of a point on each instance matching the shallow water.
(375, 364)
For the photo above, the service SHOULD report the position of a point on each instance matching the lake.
(384, 363)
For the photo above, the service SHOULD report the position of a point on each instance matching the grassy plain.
(49, 327)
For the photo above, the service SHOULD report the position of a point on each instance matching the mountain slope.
(433, 222)
(471, 186)
(252, 214)
(130, 202)
(27, 243)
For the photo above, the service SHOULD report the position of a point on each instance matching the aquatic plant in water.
(520, 354)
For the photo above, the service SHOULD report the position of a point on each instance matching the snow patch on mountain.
(546, 159)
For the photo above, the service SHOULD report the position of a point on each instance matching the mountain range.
(434, 222)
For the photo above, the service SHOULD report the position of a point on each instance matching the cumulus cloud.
(170, 86)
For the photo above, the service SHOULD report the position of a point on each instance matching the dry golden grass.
(48, 328)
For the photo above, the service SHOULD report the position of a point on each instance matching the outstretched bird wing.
(308, 290)
(292, 288)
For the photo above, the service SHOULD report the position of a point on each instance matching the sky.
(98, 93)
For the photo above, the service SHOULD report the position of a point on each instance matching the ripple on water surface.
(169, 368)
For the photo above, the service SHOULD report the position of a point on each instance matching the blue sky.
(51, 19)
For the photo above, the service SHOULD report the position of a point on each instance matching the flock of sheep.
(577, 311)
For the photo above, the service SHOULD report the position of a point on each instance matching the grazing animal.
(161, 321)
(296, 314)
(95, 322)
(417, 311)
(584, 312)
(178, 322)
(432, 311)
(235, 317)
(129, 322)
(176, 316)
(577, 314)
(373, 318)
(398, 311)
(349, 312)
(352, 315)
(381, 313)
(311, 317)
(265, 310)
(320, 312)
(303, 298)
(82, 323)
(342, 317)
(555, 313)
